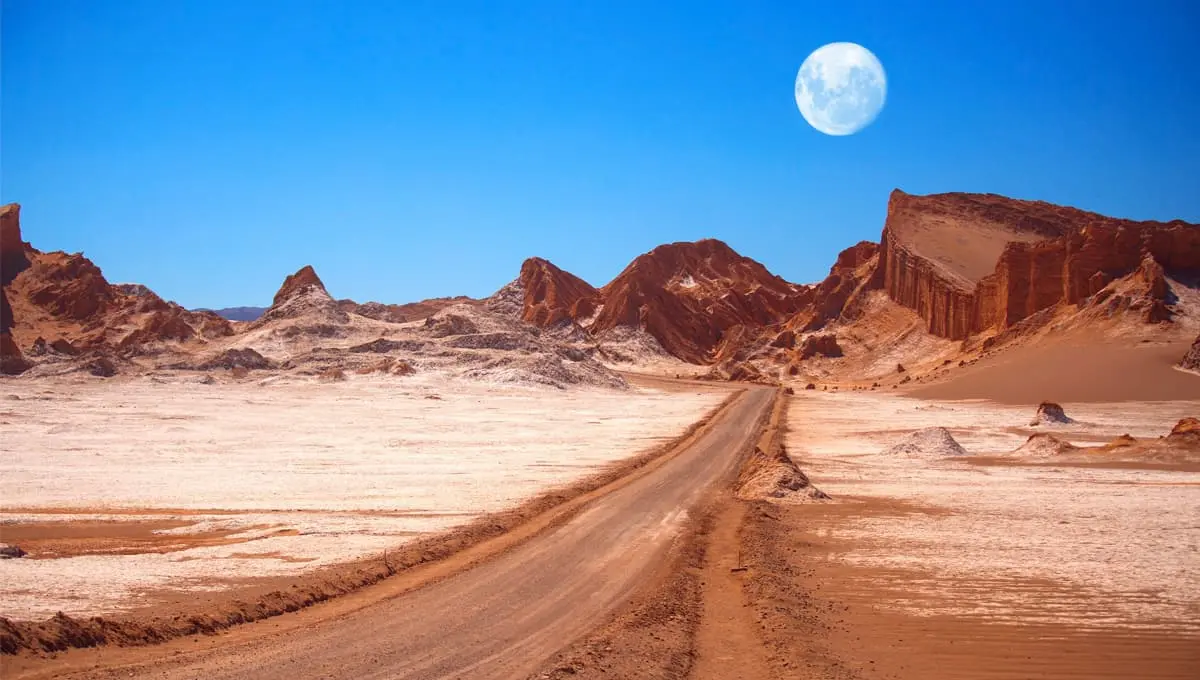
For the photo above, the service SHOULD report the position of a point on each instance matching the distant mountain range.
(236, 313)
(953, 279)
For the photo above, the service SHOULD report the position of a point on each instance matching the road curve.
(506, 617)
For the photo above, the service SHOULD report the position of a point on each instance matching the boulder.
(1050, 413)
(237, 358)
(8, 552)
(101, 367)
(1187, 427)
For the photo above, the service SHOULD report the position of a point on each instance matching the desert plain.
(971, 451)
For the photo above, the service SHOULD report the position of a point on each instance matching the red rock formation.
(296, 284)
(1186, 427)
(552, 295)
(303, 296)
(62, 297)
(1191, 360)
(687, 295)
(699, 300)
(13, 259)
(12, 361)
(855, 271)
(973, 262)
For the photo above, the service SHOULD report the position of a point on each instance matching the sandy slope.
(1077, 369)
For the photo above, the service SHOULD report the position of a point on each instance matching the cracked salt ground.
(313, 474)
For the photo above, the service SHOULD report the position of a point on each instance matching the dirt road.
(506, 617)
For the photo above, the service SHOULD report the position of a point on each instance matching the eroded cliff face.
(855, 271)
(62, 300)
(969, 263)
(552, 296)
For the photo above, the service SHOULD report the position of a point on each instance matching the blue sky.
(207, 148)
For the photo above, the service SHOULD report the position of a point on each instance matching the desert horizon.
(547, 341)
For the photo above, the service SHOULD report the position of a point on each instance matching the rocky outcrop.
(62, 298)
(447, 324)
(551, 295)
(687, 295)
(10, 552)
(12, 361)
(1050, 413)
(825, 345)
(13, 258)
(304, 281)
(1191, 360)
(698, 300)
(244, 358)
(302, 298)
(136, 289)
(1186, 427)
(967, 263)
(855, 272)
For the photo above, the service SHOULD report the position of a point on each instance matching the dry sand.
(1080, 369)
(122, 488)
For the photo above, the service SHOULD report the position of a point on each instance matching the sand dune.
(1076, 369)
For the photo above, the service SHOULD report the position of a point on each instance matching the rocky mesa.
(970, 263)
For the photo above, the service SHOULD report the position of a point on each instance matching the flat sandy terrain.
(123, 488)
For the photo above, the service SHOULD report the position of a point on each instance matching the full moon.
(840, 88)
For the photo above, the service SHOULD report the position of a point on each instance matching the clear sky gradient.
(208, 148)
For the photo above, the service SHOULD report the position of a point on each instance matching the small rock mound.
(1040, 445)
(235, 358)
(1187, 427)
(101, 367)
(380, 346)
(8, 552)
(332, 375)
(775, 476)
(931, 442)
(446, 325)
(390, 367)
(1050, 413)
